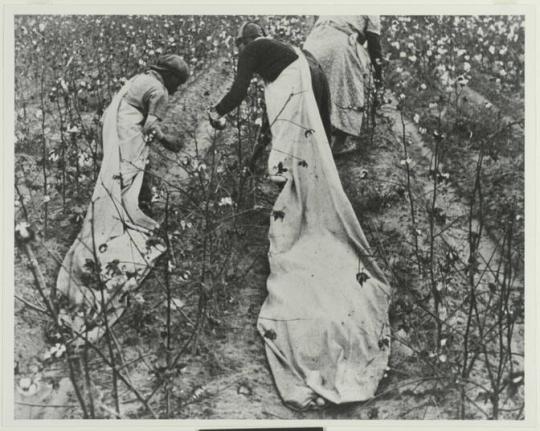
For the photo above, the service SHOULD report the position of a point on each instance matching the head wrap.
(174, 64)
(249, 30)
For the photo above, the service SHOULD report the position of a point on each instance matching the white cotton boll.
(226, 201)
(23, 230)
(129, 285)
(27, 387)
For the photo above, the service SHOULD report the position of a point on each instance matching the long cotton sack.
(112, 254)
(325, 320)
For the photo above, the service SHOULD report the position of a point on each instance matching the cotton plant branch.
(51, 309)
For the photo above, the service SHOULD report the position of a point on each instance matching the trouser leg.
(321, 91)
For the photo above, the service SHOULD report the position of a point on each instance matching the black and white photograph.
(268, 217)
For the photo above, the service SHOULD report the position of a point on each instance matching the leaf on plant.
(278, 215)
(362, 277)
(384, 343)
(90, 265)
(113, 267)
(270, 334)
(281, 168)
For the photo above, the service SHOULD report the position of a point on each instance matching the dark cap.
(172, 63)
(249, 30)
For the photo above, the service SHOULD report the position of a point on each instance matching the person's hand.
(217, 122)
(152, 132)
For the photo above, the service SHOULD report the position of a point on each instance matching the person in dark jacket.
(267, 58)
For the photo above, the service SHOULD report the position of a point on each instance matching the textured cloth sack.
(325, 320)
(112, 248)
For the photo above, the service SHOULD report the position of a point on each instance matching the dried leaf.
(270, 334)
(362, 277)
(278, 215)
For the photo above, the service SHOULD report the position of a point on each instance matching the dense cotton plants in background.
(470, 294)
(440, 67)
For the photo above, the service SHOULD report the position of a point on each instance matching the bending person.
(268, 58)
(337, 42)
(325, 319)
(112, 254)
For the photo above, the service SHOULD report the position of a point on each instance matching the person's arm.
(375, 54)
(156, 99)
(238, 91)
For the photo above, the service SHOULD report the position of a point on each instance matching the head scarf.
(249, 30)
(174, 64)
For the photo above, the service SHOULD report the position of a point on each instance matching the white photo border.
(246, 7)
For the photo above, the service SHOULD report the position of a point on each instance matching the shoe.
(348, 146)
